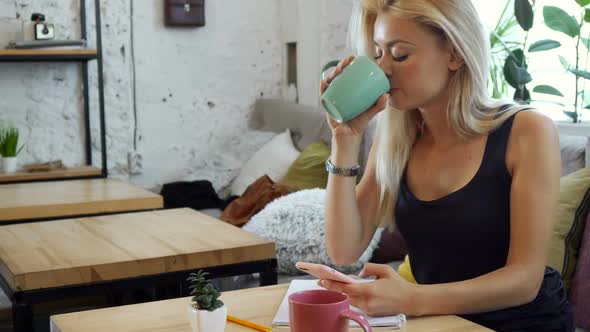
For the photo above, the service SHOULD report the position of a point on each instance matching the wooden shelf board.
(74, 172)
(47, 54)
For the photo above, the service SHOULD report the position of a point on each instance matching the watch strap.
(343, 171)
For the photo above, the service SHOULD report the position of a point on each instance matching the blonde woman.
(471, 182)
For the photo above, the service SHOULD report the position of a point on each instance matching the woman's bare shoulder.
(531, 123)
(532, 134)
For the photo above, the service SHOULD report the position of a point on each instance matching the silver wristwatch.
(353, 171)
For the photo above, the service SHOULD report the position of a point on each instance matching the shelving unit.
(82, 56)
(92, 195)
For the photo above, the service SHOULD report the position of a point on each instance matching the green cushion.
(308, 170)
(574, 203)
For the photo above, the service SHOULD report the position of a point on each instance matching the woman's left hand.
(389, 294)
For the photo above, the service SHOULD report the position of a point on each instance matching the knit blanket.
(295, 223)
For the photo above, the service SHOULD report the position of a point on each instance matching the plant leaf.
(204, 300)
(523, 76)
(557, 19)
(547, 89)
(564, 63)
(581, 73)
(511, 70)
(587, 107)
(587, 16)
(524, 14)
(218, 304)
(583, 3)
(522, 94)
(544, 45)
(518, 75)
(209, 288)
(572, 115)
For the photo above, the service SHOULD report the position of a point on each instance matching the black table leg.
(268, 276)
(22, 317)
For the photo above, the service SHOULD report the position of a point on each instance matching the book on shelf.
(48, 44)
(282, 316)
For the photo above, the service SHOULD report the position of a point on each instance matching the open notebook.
(282, 316)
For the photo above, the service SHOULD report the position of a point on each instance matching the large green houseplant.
(501, 46)
(516, 68)
(559, 20)
(509, 67)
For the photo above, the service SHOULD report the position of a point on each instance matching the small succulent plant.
(205, 295)
(9, 142)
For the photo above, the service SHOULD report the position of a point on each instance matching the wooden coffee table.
(49, 260)
(24, 202)
(258, 305)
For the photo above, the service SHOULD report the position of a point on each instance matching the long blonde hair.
(470, 110)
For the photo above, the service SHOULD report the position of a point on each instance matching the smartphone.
(321, 271)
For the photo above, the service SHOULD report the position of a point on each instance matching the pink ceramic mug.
(323, 311)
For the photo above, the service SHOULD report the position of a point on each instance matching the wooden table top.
(258, 305)
(73, 198)
(83, 250)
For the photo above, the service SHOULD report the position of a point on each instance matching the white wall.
(334, 20)
(321, 35)
(194, 88)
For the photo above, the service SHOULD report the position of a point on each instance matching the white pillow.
(295, 223)
(273, 159)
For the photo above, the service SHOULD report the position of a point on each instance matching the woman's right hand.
(357, 125)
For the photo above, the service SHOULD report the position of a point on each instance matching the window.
(545, 67)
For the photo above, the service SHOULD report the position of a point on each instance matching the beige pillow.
(273, 159)
(570, 216)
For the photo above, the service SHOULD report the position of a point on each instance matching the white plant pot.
(9, 164)
(207, 321)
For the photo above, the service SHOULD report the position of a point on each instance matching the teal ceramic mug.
(355, 89)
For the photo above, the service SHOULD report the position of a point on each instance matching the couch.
(307, 124)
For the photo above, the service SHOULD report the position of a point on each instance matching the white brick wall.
(194, 87)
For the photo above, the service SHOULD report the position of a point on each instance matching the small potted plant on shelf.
(206, 312)
(9, 148)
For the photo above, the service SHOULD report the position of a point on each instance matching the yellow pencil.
(248, 324)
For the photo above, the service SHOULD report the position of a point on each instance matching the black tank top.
(466, 234)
